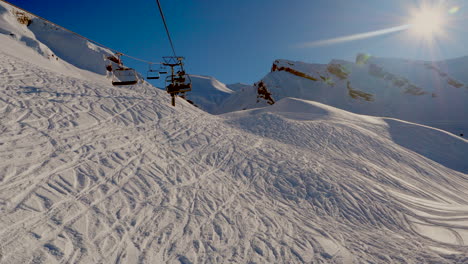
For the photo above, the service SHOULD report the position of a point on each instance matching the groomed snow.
(91, 173)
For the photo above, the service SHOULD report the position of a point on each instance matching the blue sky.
(237, 41)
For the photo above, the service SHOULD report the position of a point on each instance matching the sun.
(427, 22)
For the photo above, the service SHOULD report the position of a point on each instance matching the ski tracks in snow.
(90, 173)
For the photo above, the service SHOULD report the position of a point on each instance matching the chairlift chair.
(180, 84)
(184, 82)
(186, 86)
(177, 83)
(124, 76)
(170, 87)
(152, 74)
(162, 70)
(180, 79)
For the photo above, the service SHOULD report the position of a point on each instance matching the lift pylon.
(178, 82)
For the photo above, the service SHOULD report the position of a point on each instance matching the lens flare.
(454, 10)
(366, 35)
(427, 22)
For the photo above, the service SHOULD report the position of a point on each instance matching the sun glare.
(428, 22)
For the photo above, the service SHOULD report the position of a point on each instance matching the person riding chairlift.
(181, 78)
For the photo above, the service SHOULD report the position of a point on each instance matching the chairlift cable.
(165, 26)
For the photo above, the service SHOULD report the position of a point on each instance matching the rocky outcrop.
(22, 17)
(275, 67)
(379, 72)
(356, 94)
(338, 70)
(362, 58)
(263, 93)
(454, 83)
(414, 90)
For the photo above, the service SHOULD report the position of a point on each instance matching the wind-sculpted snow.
(71, 48)
(90, 173)
(10, 26)
(432, 143)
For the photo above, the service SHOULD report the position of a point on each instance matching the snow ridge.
(416, 91)
(208, 93)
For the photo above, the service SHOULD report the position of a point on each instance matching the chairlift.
(152, 74)
(180, 79)
(163, 70)
(179, 84)
(124, 76)
(184, 81)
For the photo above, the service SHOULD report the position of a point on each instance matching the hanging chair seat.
(185, 87)
(152, 76)
(152, 73)
(119, 83)
(124, 76)
(181, 84)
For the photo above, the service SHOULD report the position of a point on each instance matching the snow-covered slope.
(238, 86)
(208, 93)
(246, 97)
(66, 52)
(434, 94)
(14, 24)
(91, 173)
(71, 48)
(456, 67)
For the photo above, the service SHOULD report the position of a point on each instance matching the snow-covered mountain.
(431, 93)
(208, 93)
(60, 47)
(238, 86)
(91, 173)
(215, 97)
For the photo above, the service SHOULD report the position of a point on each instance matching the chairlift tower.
(177, 82)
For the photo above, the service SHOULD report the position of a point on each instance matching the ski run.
(92, 173)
